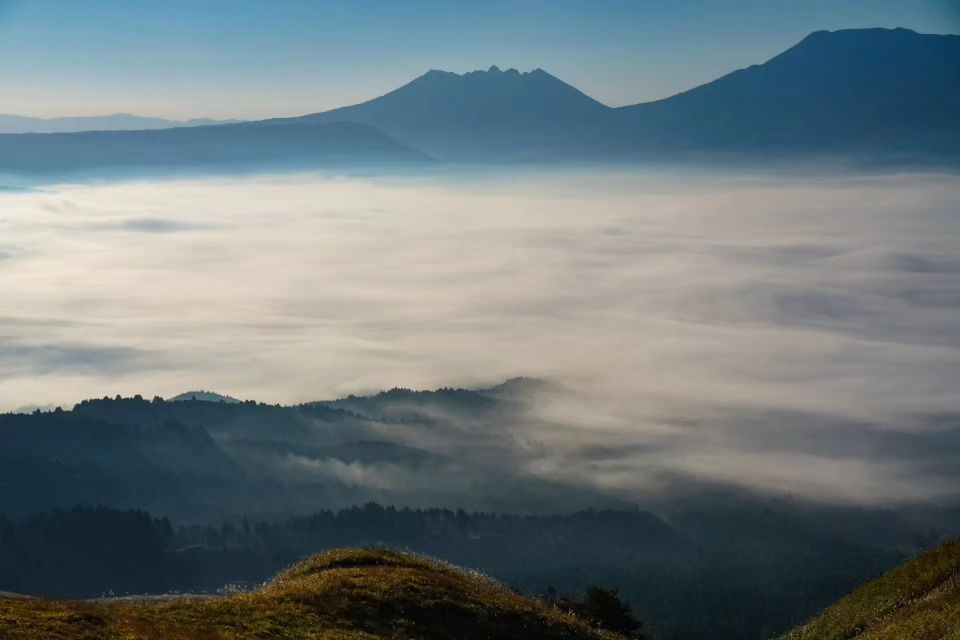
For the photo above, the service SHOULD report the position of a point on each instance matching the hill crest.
(347, 594)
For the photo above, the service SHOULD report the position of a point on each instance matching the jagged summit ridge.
(492, 70)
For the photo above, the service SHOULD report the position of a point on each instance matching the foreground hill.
(343, 594)
(918, 601)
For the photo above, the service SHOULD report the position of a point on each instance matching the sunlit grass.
(918, 601)
(354, 594)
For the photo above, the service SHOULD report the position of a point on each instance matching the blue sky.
(254, 58)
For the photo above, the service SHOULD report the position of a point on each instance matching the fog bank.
(797, 335)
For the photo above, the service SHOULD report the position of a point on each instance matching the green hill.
(918, 601)
(346, 595)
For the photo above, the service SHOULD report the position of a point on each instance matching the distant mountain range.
(865, 95)
(213, 148)
(873, 92)
(115, 122)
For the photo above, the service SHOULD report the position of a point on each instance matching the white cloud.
(676, 303)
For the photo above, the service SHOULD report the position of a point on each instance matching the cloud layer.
(800, 335)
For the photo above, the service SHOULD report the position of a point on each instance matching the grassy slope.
(345, 595)
(918, 601)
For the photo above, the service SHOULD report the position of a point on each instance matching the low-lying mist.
(793, 335)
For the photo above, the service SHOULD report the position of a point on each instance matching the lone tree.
(602, 608)
(605, 609)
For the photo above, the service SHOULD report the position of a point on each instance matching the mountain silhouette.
(853, 91)
(868, 92)
(236, 146)
(866, 95)
(116, 122)
(493, 113)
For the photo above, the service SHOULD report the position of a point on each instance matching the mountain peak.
(880, 53)
(866, 32)
(493, 71)
(441, 112)
(891, 92)
(869, 37)
(491, 94)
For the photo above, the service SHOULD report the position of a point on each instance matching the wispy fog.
(801, 335)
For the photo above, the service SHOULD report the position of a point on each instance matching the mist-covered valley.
(783, 334)
(674, 381)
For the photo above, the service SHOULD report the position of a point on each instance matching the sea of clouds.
(796, 334)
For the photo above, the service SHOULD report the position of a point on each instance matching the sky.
(260, 58)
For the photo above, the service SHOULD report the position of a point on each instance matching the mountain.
(239, 146)
(362, 594)
(116, 122)
(507, 115)
(866, 95)
(918, 601)
(213, 148)
(877, 93)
